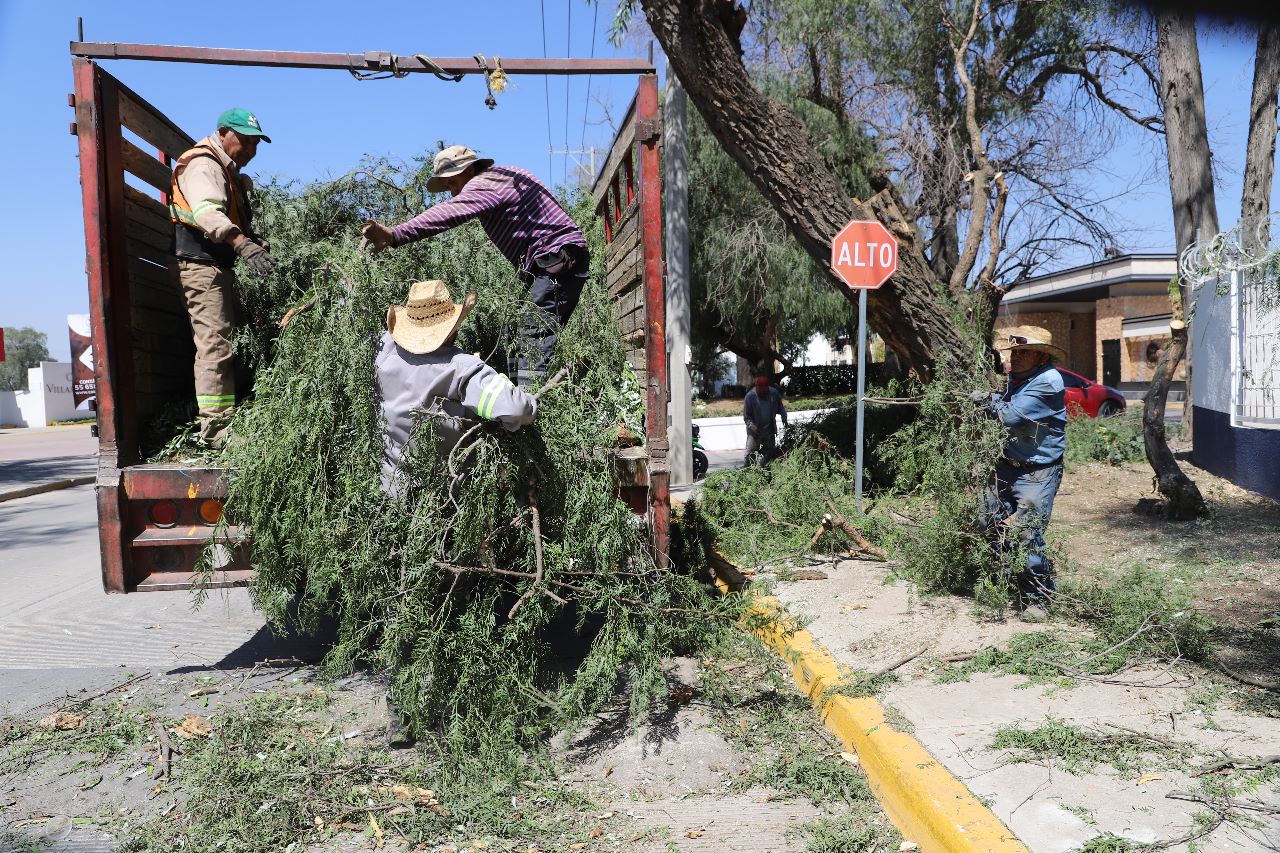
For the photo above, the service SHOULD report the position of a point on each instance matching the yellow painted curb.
(927, 804)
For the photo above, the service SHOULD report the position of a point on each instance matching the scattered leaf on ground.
(194, 726)
(62, 721)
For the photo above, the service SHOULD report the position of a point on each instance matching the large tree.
(755, 292)
(23, 348)
(994, 63)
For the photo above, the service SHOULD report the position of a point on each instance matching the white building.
(1235, 376)
(48, 399)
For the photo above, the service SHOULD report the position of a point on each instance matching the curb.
(28, 491)
(925, 802)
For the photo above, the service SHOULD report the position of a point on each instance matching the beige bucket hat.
(1030, 338)
(428, 318)
(452, 161)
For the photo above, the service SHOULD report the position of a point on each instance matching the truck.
(156, 520)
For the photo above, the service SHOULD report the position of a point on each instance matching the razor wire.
(1239, 249)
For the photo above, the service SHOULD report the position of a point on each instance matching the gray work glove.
(256, 257)
(980, 398)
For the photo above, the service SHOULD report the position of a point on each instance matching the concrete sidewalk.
(54, 614)
(867, 623)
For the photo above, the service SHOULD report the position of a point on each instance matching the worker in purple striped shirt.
(527, 224)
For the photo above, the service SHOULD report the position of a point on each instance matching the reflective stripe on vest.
(180, 209)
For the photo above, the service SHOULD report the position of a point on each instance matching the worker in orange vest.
(209, 206)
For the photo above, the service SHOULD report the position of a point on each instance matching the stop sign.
(864, 254)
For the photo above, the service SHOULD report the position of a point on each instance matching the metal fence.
(1245, 267)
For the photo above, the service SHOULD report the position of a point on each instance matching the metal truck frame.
(155, 520)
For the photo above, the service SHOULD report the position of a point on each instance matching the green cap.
(242, 121)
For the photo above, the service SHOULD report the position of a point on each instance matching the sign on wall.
(83, 385)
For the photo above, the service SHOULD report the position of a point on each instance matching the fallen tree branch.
(1224, 804)
(834, 520)
(900, 662)
(164, 750)
(1238, 763)
(537, 554)
(1244, 679)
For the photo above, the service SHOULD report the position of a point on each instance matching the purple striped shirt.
(520, 215)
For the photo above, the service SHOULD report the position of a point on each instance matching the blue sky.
(324, 121)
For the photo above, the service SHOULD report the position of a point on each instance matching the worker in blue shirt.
(1019, 498)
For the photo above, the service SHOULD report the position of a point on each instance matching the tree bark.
(1195, 214)
(1260, 153)
(701, 39)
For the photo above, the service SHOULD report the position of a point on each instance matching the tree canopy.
(24, 348)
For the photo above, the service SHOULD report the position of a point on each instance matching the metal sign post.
(864, 255)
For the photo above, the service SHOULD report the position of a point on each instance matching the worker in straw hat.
(420, 371)
(1019, 497)
(527, 224)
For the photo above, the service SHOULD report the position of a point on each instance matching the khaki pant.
(214, 310)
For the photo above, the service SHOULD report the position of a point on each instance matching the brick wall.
(1134, 366)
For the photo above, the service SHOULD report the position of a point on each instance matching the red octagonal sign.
(864, 254)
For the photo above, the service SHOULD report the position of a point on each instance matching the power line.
(587, 103)
(568, 51)
(546, 90)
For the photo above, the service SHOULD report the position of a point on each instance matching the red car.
(1091, 398)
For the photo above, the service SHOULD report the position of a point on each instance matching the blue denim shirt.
(1034, 412)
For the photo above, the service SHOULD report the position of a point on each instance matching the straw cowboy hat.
(1032, 338)
(452, 161)
(428, 318)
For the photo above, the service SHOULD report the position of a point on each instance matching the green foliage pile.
(448, 589)
(765, 514)
(944, 459)
(276, 774)
(932, 460)
(1114, 441)
(1078, 751)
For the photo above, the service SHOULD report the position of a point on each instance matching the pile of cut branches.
(459, 589)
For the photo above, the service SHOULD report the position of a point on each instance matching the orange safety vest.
(180, 209)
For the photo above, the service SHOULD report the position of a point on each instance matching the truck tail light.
(210, 511)
(163, 513)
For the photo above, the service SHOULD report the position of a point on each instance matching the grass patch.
(1079, 751)
(758, 710)
(281, 771)
(1136, 615)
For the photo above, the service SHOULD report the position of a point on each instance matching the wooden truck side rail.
(153, 520)
(628, 197)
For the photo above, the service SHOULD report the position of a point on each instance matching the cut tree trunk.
(1195, 214)
(912, 311)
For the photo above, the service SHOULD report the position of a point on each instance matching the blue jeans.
(552, 298)
(1016, 509)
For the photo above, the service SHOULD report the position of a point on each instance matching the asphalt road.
(58, 629)
(32, 456)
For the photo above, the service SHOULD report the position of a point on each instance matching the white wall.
(731, 433)
(1211, 349)
(48, 397)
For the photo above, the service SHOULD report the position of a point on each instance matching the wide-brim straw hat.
(452, 161)
(1032, 338)
(428, 318)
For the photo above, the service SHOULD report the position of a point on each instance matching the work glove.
(257, 258)
(980, 398)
